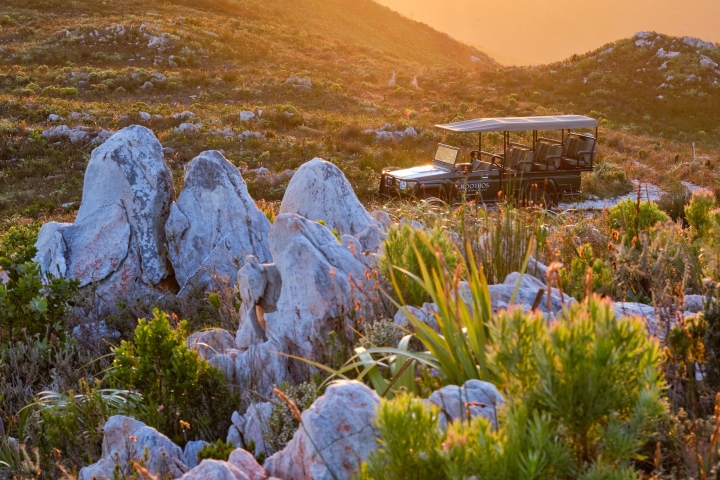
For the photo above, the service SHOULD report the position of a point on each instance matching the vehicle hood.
(419, 173)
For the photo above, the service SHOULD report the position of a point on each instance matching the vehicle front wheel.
(540, 195)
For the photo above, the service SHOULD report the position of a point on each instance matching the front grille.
(388, 181)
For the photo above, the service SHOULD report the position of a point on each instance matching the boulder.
(126, 439)
(500, 295)
(118, 239)
(259, 287)
(261, 367)
(214, 224)
(319, 191)
(338, 429)
(211, 342)
(246, 462)
(191, 452)
(215, 470)
(383, 218)
(474, 398)
(322, 282)
(250, 428)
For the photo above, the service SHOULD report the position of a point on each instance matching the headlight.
(402, 185)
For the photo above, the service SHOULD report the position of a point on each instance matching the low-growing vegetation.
(592, 390)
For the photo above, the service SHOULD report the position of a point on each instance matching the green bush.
(72, 423)
(408, 444)
(411, 446)
(697, 213)
(17, 245)
(28, 307)
(584, 396)
(674, 201)
(633, 217)
(281, 423)
(595, 374)
(574, 279)
(69, 92)
(400, 253)
(218, 450)
(186, 398)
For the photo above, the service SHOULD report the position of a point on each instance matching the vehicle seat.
(550, 159)
(521, 159)
(578, 151)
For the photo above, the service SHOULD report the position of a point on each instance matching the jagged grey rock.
(338, 429)
(215, 470)
(251, 426)
(118, 239)
(246, 462)
(190, 453)
(259, 286)
(211, 342)
(322, 281)
(262, 367)
(126, 439)
(474, 398)
(500, 295)
(383, 218)
(214, 224)
(320, 191)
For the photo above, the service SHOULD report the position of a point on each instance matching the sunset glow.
(542, 31)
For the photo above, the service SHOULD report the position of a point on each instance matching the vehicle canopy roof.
(520, 124)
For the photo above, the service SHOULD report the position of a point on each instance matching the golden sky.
(527, 32)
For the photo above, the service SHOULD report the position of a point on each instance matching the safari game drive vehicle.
(542, 173)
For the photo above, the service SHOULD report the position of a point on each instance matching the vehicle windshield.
(446, 154)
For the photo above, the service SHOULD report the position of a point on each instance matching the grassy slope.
(229, 56)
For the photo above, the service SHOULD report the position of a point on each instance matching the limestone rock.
(474, 398)
(321, 282)
(126, 439)
(259, 286)
(215, 470)
(118, 239)
(246, 462)
(214, 224)
(320, 191)
(191, 452)
(500, 295)
(250, 427)
(211, 342)
(340, 426)
(383, 218)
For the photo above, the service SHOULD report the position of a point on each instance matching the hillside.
(650, 83)
(273, 86)
(91, 69)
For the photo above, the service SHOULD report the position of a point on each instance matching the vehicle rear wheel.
(540, 195)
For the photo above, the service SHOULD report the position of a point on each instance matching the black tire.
(540, 195)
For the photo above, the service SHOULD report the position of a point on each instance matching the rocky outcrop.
(338, 435)
(215, 470)
(474, 398)
(259, 286)
(214, 224)
(249, 428)
(190, 453)
(500, 295)
(118, 239)
(126, 440)
(322, 281)
(319, 191)
(247, 464)
(211, 342)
